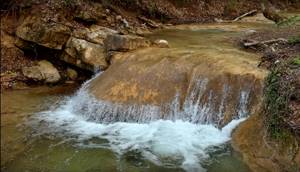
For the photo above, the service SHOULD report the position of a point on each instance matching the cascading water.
(183, 137)
(171, 110)
(195, 108)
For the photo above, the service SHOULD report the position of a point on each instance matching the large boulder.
(44, 71)
(118, 42)
(84, 54)
(48, 34)
(160, 83)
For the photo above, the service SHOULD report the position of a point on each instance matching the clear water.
(40, 131)
(56, 140)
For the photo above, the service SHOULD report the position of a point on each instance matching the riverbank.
(52, 24)
(269, 140)
(55, 44)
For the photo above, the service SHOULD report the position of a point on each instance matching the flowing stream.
(61, 129)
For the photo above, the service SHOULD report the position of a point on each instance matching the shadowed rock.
(47, 34)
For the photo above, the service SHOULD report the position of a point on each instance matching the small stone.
(72, 74)
(118, 17)
(125, 22)
(161, 43)
(218, 20)
(250, 32)
(277, 61)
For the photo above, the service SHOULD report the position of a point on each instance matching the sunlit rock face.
(196, 86)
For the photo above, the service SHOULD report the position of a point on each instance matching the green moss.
(294, 40)
(295, 20)
(276, 104)
(296, 61)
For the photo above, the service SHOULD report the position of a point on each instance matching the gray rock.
(84, 54)
(125, 42)
(44, 71)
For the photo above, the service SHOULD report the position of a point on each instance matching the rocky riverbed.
(191, 83)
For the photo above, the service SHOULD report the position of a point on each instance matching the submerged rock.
(48, 34)
(84, 54)
(125, 42)
(44, 72)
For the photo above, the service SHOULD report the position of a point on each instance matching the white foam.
(173, 141)
(183, 143)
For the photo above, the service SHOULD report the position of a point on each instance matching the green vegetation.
(279, 90)
(276, 105)
(294, 40)
(295, 20)
(296, 61)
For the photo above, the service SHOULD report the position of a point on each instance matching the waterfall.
(182, 131)
(198, 106)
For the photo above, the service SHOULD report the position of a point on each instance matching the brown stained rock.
(84, 54)
(125, 42)
(154, 76)
(48, 34)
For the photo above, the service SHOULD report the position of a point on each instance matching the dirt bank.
(269, 140)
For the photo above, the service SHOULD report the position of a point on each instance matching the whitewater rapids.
(163, 142)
